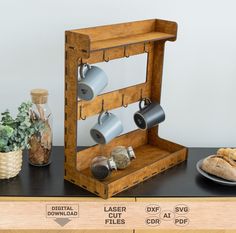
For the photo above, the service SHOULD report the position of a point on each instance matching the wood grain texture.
(115, 53)
(167, 27)
(154, 154)
(183, 231)
(118, 231)
(70, 121)
(113, 100)
(150, 160)
(128, 40)
(204, 213)
(89, 40)
(118, 30)
(135, 138)
(159, 161)
(79, 43)
(67, 231)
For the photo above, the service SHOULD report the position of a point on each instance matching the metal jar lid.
(112, 164)
(131, 153)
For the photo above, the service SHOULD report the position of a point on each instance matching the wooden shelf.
(87, 41)
(145, 155)
(129, 40)
(150, 161)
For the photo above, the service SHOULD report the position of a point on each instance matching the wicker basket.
(10, 164)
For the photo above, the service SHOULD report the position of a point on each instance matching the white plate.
(212, 177)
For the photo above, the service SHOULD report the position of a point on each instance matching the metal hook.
(104, 57)
(124, 105)
(144, 48)
(125, 52)
(80, 60)
(80, 112)
(141, 94)
(102, 105)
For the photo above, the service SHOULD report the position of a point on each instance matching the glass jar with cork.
(41, 141)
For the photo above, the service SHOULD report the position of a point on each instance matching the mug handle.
(101, 115)
(146, 101)
(81, 69)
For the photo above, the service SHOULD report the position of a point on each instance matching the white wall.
(199, 73)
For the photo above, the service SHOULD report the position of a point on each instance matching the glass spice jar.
(41, 141)
(122, 156)
(101, 167)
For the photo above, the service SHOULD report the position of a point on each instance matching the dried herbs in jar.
(122, 156)
(41, 141)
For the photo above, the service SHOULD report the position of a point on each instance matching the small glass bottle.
(41, 141)
(122, 156)
(101, 167)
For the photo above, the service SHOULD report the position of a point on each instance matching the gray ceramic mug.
(93, 81)
(108, 127)
(150, 115)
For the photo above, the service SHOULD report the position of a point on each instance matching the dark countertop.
(182, 180)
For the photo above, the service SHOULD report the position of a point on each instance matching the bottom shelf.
(146, 155)
(150, 160)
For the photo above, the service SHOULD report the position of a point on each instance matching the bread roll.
(228, 152)
(220, 166)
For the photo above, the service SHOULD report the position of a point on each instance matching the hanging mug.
(93, 81)
(150, 115)
(108, 127)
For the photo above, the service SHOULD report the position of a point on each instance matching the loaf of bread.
(228, 152)
(221, 166)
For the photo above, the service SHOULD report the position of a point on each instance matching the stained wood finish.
(117, 42)
(73, 231)
(105, 37)
(71, 73)
(115, 53)
(150, 160)
(118, 231)
(98, 44)
(131, 94)
(135, 138)
(113, 100)
(156, 80)
(118, 30)
(145, 172)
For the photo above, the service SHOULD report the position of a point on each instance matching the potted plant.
(14, 137)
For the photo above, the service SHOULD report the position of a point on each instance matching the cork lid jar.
(41, 140)
(39, 96)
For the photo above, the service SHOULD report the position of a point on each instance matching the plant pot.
(10, 164)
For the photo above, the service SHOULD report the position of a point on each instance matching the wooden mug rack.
(104, 43)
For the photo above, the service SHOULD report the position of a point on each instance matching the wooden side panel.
(167, 27)
(156, 79)
(80, 43)
(157, 65)
(70, 133)
(167, 145)
(135, 138)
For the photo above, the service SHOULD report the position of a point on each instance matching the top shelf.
(88, 40)
(124, 41)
